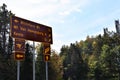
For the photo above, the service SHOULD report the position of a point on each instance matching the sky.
(71, 20)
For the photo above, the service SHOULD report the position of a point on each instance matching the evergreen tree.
(5, 39)
(40, 64)
(26, 68)
(55, 67)
(73, 66)
(7, 64)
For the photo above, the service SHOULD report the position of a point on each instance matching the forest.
(95, 58)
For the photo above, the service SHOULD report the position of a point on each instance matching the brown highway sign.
(25, 29)
(20, 45)
(47, 49)
(19, 55)
(46, 57)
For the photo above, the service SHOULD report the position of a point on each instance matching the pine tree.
(26, 68)
(7, 64)
(5, 39)
(40, 64)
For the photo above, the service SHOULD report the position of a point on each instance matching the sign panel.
(19, 55)
(20, 45)
(46, 57)
(47, 50)
(25, 29)
(19, 49)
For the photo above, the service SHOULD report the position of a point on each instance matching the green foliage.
(7, 63)
(100, 57)
(6, 42)
(73, 65)
(40, 64)
(7, 69)
(64, 49)
(55, 66)
(26, 65)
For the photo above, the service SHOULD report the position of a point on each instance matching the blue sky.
(71, 20)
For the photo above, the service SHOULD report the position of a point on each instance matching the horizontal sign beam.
(25, 29)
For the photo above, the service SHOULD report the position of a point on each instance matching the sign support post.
(46, 70)
(18, 70)
(33, 60)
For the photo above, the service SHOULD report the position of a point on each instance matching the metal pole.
(33, 60)
(18, 70)
(46, 70)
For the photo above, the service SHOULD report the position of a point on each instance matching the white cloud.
(44, 7)
(65, 1)
(69, 11)
(65, 13)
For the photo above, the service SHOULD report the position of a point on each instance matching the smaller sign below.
(19, 45)
(46, 58)
(47, 50)
(19, 55)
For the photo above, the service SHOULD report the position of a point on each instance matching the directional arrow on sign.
(46, 57)
(19, 56)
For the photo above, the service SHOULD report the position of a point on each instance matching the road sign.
(19, 56)
(25, 29)
(19, 49)
(46, 57)
(47, 50)
(20, 45)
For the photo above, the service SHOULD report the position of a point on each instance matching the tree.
(106, 63)
(40, 64)
(73, 66)
(26, 68)
(55, 66)
(97, 45)
(64, 50)
(5, 39)
(7, 63)
(115, 62)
